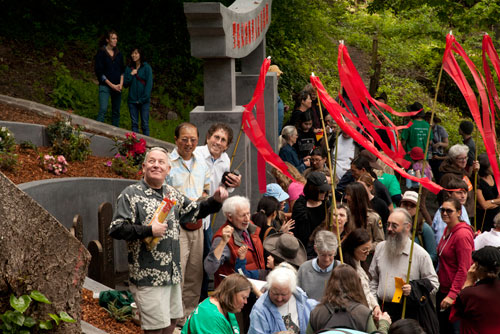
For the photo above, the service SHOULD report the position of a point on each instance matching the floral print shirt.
(135, 207)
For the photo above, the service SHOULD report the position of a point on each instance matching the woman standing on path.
(109, 69)
(139, 77)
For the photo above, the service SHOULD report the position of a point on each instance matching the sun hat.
(274, 190)
(417, 153)
(410, 196)
(286, 247)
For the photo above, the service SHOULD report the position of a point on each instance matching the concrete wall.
(101, 146)
(64, 198)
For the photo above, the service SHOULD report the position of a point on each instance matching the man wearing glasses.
(390, 261)
(190, 175)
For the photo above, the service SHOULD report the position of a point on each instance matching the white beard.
(395, 244)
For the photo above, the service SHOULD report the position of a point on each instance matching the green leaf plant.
(15, 321)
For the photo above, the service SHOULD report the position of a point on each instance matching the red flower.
(131, 135)
(139, 147)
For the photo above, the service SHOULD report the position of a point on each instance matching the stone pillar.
(219, 35)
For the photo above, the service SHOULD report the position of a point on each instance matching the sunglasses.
(447, 211)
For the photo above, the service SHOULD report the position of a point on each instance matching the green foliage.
(73, 94)
(68, 141)
(8, 158)
(119, 314)
(15, 321)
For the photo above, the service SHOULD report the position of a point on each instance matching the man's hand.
(406, 289)
(227, 232)
(385, 316)
(233, 180)
(242, 252)
(159, 229)
(220, 194)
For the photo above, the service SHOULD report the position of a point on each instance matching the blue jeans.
(137, 109)
(105, 92)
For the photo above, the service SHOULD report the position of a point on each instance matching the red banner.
(359, 96)
(255, 133)
(335, 110)
(450, 65)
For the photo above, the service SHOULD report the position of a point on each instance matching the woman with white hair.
(314, 274)
(237, 233)
(454, 167)
(287, 139)
(284, 307)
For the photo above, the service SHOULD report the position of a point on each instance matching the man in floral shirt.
(155, 275)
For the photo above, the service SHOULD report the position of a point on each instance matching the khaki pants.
(192, 268)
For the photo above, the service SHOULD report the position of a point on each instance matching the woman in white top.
(355, 248)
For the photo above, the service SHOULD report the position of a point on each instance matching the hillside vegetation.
(47, 50)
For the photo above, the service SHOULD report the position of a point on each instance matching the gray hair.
(286, 133)
(283, 275)
(496, 221)
(457, 149)
(406, 215)
(157, 148)
(326, 241)
(234, 203)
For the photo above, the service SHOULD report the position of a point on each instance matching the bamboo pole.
(332, 180)
(420, 189)
(475, 189)
(230, 164)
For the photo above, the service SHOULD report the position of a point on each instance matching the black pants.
(445, 326)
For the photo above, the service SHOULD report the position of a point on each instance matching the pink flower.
(109, 163)
(117, 155)
(47, 157)
(61, 159)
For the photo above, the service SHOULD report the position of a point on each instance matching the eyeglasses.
(462, 159)
(365, 250)
(446, 210)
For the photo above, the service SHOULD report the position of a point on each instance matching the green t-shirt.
(206, 319)
(391, 183)
(416, 135)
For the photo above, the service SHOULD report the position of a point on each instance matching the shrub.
(56, 165)
(68, 141)
(8, 159)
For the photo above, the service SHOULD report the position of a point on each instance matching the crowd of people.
(321, 251)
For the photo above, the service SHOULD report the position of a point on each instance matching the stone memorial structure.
(219, 36)
(38, 253)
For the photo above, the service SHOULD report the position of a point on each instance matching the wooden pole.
(230, 164)
(420, 189)
(332, 180)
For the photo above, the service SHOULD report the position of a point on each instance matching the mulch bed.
(98, 317)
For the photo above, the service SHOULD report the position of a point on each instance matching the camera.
(225, 181)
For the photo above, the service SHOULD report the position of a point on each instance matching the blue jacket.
(140, 92)
(288, 153)
(265, 318)
(108, 68)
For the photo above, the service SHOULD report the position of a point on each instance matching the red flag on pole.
(335, 110)
(254, 131)
(450, 65)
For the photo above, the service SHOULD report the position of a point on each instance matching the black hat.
(466, 127)
(488, 257)
(318, 179)
(416, 107)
